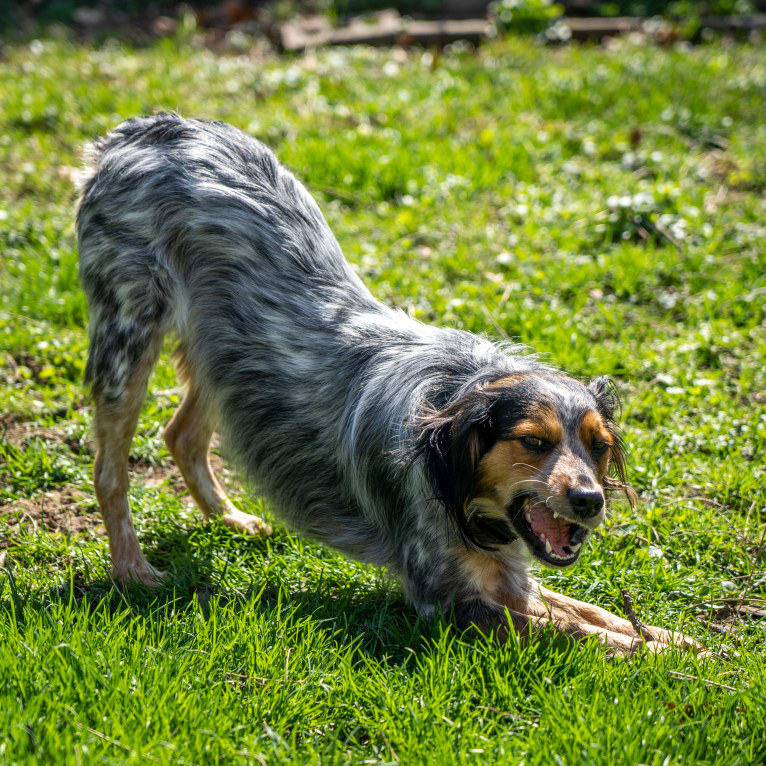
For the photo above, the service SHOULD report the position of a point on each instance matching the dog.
(449, 459)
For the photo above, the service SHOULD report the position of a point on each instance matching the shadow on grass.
(377, 620)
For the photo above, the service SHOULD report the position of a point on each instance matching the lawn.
(605, 206)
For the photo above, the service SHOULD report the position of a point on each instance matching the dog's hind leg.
(116, 412)
(188, 438)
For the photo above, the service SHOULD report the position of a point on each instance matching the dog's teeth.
(548, 548)
(528, 517)
(555, 515)
(575, 548)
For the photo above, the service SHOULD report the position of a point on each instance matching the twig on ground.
(756, 573)
(738, 600)
(678, 676)
(110, 740)
(630, 612)
(724, 630)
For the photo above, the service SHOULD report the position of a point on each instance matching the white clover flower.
(643, 201)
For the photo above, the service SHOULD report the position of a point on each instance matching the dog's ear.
(450, 443)
(607, 398)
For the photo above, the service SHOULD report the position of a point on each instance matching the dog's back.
(196, 227)
(175, 216)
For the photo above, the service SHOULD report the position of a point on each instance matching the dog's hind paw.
(141, 572)
(246, 523)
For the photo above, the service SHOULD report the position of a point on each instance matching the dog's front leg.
(503, 620)
(593, 618)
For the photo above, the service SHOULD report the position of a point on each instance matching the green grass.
(604, 206)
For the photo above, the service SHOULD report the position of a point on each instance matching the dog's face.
(526, 456)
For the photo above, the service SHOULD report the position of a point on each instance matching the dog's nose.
(585, 502)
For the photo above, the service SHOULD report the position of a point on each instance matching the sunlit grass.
(605, 207)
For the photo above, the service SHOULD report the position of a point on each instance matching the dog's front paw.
(669, 638)
(247, 523)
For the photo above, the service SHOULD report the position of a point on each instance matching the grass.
(605, 206)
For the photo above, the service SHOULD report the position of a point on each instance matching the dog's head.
(527, 456)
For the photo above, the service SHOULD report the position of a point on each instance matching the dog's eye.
(535, 443)
(599, 445)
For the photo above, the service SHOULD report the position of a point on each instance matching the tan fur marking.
(533, 608)
(527, 625)
(569, 609)
(507, 382)
(592, 427)
(506, 464)
(543, 422)
(483, 572)
(510, 462)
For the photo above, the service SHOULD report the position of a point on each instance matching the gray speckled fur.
(195, 227)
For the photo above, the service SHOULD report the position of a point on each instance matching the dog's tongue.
(556, 531)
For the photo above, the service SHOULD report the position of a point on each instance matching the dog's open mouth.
(552, 538)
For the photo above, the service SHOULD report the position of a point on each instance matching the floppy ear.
(607, 398)
(604, 390)
(450, 443)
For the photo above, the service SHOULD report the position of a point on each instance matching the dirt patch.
(7, 420)
(156, 474)
(70, 511)
(727, 616)
(19, 433)
(74, 511)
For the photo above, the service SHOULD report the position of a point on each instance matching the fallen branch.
(678, 676)
(630, 612)
(738, 600)
(382, 28)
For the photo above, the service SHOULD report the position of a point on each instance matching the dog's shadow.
(373, 616)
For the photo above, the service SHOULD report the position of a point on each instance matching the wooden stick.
(688, 677)
(630, 612)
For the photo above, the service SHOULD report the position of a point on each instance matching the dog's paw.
(668, 638)
(246, 523)
(141, 572)
(616, 644)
